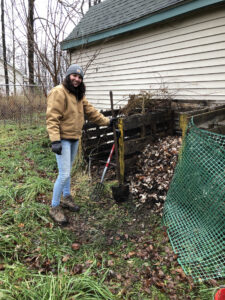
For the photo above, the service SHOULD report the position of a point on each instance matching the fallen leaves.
(155, 170)
(75, 246)
(66, 258)
(77, 269)
(131, 254)
(110, 263)
(180, 271)
(21, 225)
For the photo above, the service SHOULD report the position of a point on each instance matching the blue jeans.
(64, 162)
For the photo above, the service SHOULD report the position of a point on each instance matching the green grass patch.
(121, 252)
(22, 284)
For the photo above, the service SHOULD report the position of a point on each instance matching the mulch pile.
(155, 169)
(132, 245)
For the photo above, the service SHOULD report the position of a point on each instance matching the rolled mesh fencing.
(194, 211)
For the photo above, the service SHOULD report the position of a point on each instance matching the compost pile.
(155, 169)
(147, 101)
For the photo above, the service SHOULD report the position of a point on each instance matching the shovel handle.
(107, 163)
(115, 141)
(111, 101)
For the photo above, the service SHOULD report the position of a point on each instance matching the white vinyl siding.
(186, 56)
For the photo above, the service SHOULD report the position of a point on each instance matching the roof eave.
(153, 19)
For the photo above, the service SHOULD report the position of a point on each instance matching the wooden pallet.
(213, 119)
(136, 131)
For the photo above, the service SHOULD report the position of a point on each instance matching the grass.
(21, 284)
(37, 260)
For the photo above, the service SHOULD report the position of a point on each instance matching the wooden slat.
(216, 115)
(139, 120)
(136, 145)
(96, 132)
(219, 129)
(94, 142)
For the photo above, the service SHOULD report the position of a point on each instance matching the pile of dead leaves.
(147, 101)
(155, 169)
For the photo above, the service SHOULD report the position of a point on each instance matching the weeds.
(148, 100)
(61, 286)
(120, 252)
(20, 108)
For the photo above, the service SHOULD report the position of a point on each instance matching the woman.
(66, 106)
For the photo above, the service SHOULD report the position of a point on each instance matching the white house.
(20, 79)
(131, 45)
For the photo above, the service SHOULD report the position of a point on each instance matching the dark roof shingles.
(113, 13)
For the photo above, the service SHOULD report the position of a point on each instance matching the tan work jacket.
(65, 115)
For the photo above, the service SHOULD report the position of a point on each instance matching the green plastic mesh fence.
(194, 211)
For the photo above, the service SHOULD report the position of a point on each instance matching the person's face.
(75, 79)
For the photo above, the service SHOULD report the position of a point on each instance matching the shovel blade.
(120, 193)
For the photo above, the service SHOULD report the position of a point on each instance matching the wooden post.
(183, 122)
(121, 150)
(115, 141)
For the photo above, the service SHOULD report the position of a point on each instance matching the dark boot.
(68, 202)
(57, 215)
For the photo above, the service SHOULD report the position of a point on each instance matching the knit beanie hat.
(75, 69)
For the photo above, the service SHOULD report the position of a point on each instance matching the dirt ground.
(129, 238)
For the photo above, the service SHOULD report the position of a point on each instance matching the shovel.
(99, 188)
(121, 192)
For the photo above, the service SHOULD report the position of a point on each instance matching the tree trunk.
(30, 41)
(14, 51)
(4, 49)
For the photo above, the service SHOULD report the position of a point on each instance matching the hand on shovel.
(113, 121)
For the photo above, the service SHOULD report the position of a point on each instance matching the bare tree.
(30, 40)
(75, 6)
(4, 48)
(44, 34)
(47, 49)
(11, 51)
(40, 35)
(14, 50)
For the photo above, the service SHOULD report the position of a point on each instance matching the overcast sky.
(41, 7)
